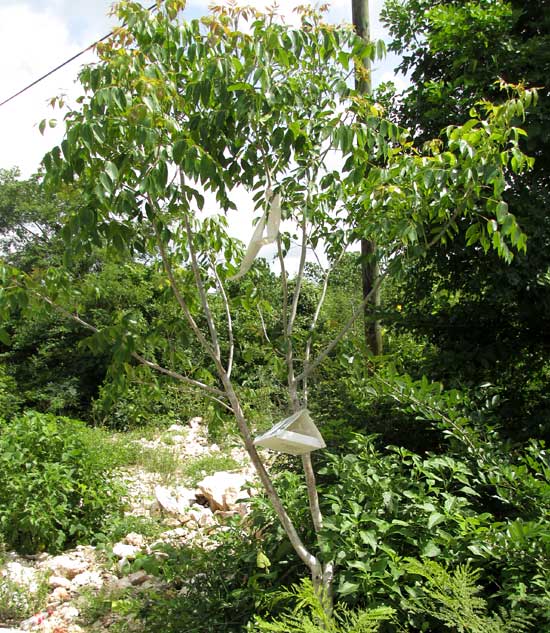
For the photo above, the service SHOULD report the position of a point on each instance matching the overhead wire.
(68, 61)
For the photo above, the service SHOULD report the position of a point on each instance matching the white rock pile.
(190, 515)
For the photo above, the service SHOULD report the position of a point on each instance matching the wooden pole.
(369, 264)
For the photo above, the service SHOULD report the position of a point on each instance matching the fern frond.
(450, 597)
(309, 616)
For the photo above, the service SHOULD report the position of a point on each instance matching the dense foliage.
(54, 490)
(487, 321)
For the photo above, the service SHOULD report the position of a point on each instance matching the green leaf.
(347, 588)
(106, 183)
(502, 211)
(262, 561)
(430, 550)
(434, 519)
(112, 171)
(369, 538)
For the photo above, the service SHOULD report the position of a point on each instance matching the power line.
(68, 61)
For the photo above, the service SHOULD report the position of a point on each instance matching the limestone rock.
(174, 501)
(121, 583)
(68, 612)
(88, 579)
(21, 574)
(171, 534)
(201, 516)
(60, 581)
(223, 489)
(138, 577)
(60, 594)
(133, 538)
(122, 550)
(66, 566)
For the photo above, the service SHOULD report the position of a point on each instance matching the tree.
(178, 118)
(488, 319)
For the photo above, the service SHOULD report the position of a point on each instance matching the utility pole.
(369, 265)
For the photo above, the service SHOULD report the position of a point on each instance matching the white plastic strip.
(272, 220)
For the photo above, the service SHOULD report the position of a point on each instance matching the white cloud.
(31, 44)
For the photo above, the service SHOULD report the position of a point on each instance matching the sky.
(38, 35)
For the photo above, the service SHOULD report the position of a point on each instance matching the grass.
(120, 526)
(193, 470)
(123, 450)
(18, 602)
(119, 604)
(163, 461)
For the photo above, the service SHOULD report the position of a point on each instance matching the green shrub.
(382, 507)
(196, 469)
(216, 589)
(53, 490)
(156, 404)
(9, 397)
(453, 599)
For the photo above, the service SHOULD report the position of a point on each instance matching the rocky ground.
(184, 515)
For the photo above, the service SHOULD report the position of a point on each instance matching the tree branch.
(309, 559)
(200, 285)
(309, 342)
(313, 495)
(141, 359)
(225, 300)
(179, 297)
(356, 313)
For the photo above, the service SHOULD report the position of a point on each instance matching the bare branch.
(284, 283)
(200, 285)
(312, 493)
(293, 393)
(264, 329)
(178, 376)
(179, 297)
(292, 382)
(225, 300)
(356, 313)
(309, 342)
(66, 313)
(141, 359)
(309, 559)
(299, 277)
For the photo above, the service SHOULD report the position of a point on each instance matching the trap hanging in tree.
(296, 435)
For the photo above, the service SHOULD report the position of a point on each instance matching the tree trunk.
(369, 274)
(369, 263)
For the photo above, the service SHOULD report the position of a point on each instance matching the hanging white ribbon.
(270, 219)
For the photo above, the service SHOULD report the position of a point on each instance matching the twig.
(313, 495)
(231, 351)
(179, 297)
(141, 359)
(356, 312)
(264, 329)
(200, 285)
(309, 342)
(292, 382)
